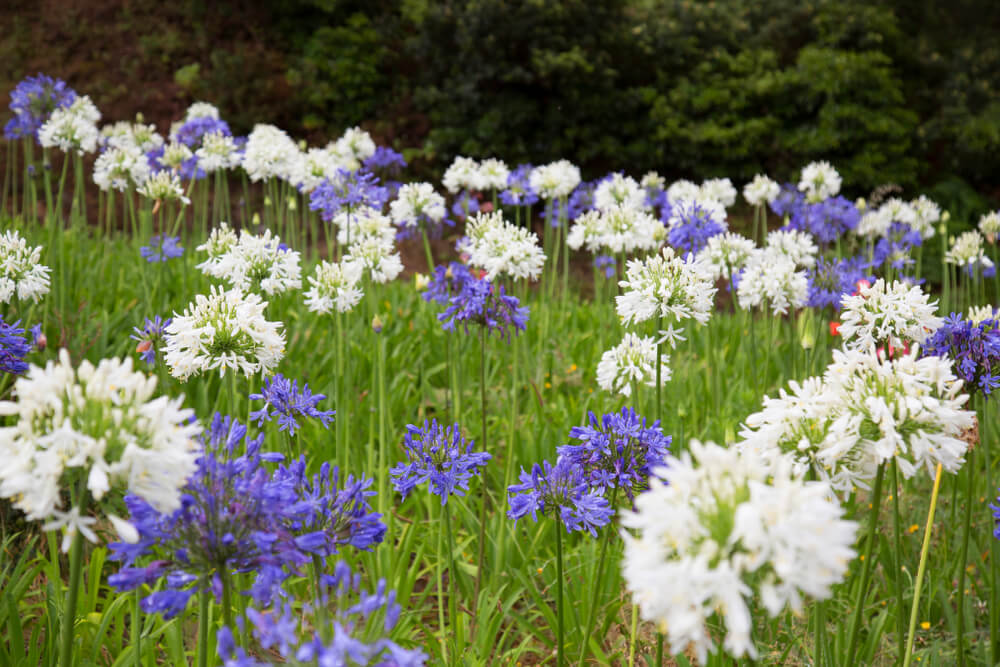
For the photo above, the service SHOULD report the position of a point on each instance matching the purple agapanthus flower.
(973, 346)
(696, 224)
(519, 192)
(465, 204)
(385, 162)
(618, 451)
(150, 336)
(480, 302)
(33, 101)
(894, 248)
(579, 202)
(830, 280)
(347, 190)
(447, 282)
(605, 263)
(283, 397)
(193, 131)
(14, 346)
(788, 201)
(439, 456)
(827, 220)
(161, 248)
(563, 490)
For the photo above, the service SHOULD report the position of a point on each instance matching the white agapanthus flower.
(99, 427)
(269, 153)
(493, 174)
(898, 210)
(895, 313)
(619, 190)
(163, 186)
(463, 174)
(254, 263)
(355, 143)
(616, 230)
(217, 151)
(555, 180)
(926, 215)
(796, 245)
(989, 225)
(874, 224)
(652, 180)
(726, 253)
(819, 181)
(201, 110)
(21, 270)
(718, 189)
(761, 190)
(311, 168)
(416, 203)
(120, 168)
(633, 361)
(364, 222)
(334, 287)
(502, 248)
(665, 286)
(967, 252)
(73, 128)
(683, 190)
(720, 527)
(377, 256)
(126, 135)
(771, 280)
(175, 154)
(223, 330)
(977, 314)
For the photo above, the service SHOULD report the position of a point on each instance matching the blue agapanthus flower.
(14, 347)
(193, 131)
(519, 192)
(447, 282)
(465, 204)
(788, 202)
(894, 249)
(283, 397)
(827, 220)
(385, 162)
(150, 336)
(605, 263)
(974, 347)
(439, 456)
(617, 451)
(830, 280)
(482, 303)
(161, 248)
(347, 190)
(33, 101)
(696, 224)
(563, 490)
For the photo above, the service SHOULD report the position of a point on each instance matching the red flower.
(834, 328)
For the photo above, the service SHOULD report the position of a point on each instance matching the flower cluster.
(633, 361)
(161, 248)
(761, 190)
(72, 128)
(334, 287)
(819, 181)
(881, 313)
(14, 347)
(725, 255)
(973, 344)
(554, 180)
(519, 191)
(254, 263)
(664, 285)
(771, 279)
(150, 337)
(616, 230)
(347, 191)
(693, 222)
(21, 272)
(33, 101)
(501, 248)
(480, 302)
(562, 490)
(968, 254)
(270, 153)
(721, 528)
(282, 395)
(86, 430)
(418, 205)
(439, 456)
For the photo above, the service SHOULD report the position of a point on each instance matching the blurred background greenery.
(891, 91)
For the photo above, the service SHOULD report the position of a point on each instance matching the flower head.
(562, 490)
(894, 313)
(72, 128)
(480, 302)
(257, 263)
(633, 361)
(33, 100)
(150, 337)
(501, 248)
(693, 222)
(555, 180)
(282, 395)
(664, 285)
(14, 347)
(439, 456)
(161, 248)
(334, 286)
(819, 181)
(761, 190)
(973, 344)
(21, 272)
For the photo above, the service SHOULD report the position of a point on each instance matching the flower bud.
(377, 324)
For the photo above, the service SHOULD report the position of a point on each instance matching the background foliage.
(889, 91)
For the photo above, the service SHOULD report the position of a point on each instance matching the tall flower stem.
(452, 572)
(204, 612)
(73, 593)
(659, 370)
(866, 567)
(136, 629)
(383, 414)
(560, 658)
(920, 572)
(341, 393)
(323, 626)
(595, 598)
(440, 587)
(985, 444)
(486, 484)
(898, 558)
(427, 249)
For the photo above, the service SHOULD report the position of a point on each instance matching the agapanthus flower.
(334, 287)
(447, 282)
(270, 153)
(967, 253)
(561, 490)
(223, 330)
(665, 286)
(217, 151)
(619, 190)
(439, 456)
(973, 344)
(771, 280)
(257, 263)
(161, 248)
(136, 137)
(33, 100)
(14, 347)
(831, 280)
(989, 225)
(192, 132)
(819, 181)
(761, 190)
(150, 337)
(721, 529)
(21, 272)
(462, 174)
(693, 222)
(725, 254)
(827, 220)
(493, 174)
(655, 187)
(87, 430)
(683, 190)
(378, 256)
(519, 191)
(720, 190)
(795, 245)
(618, 451)
(787, 201)
(120, 169)
(201, 109)
(418, 205)
(502, 248)
(555, 180)
(633, 361)
(616, 230)
(465, 205)
(873, 224)
(606, 264)
(72, 128)
(347, 190)
(163, 186)
(283, 397)
(896, 313)
(927, 213)
(384, 160)
(480, 302)
(356, 144)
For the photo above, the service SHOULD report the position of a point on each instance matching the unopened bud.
(291, 203)
(377, 324)
(420, 281)
(861, 204)
(41, 341)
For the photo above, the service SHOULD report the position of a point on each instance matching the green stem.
(69, 613)
(595, 598)
(560, 658)
(920, 571)
(452, 572)
(440, 588)
(204, 611)
(866, 567)
(136, 629)
(486, 486)
(427, 250)
(898, 558)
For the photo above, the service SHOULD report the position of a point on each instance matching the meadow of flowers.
(619, 421)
